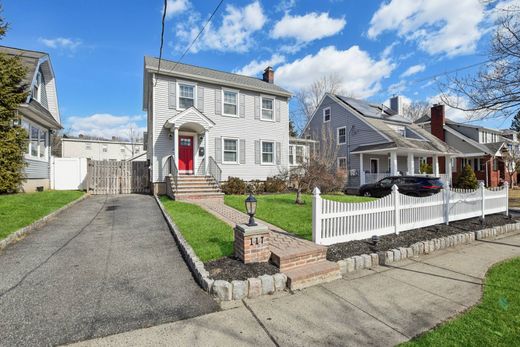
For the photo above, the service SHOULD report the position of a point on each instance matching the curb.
(222, 290)
(14, 237)
(366, 261)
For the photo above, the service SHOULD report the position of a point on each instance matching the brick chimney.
(438, 119)
(268, 75)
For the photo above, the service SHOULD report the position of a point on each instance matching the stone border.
(222, 290)
(14, 237)
(366, 261)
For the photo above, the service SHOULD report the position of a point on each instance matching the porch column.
(361, 170)
(176, 145)
(206, 158)
(448, 170)
(393, 163)
(411, 163)
(435, 164)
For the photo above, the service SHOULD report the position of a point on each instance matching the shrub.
(426, 168)
(275, 184)
(467, 179)
(256, 187)
(234, 185)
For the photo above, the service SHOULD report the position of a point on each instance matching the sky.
(376, 48)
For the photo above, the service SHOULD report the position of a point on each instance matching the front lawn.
(20, 210)
(280, 210)
(209, 237)
(494, 322)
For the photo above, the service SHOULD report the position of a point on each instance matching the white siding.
(114, 150)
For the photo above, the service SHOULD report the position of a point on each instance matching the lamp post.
(251, 209)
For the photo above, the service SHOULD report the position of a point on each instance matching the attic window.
(37, 87)
(401, 130)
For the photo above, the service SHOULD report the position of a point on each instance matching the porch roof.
(414, 147)
(190, 116)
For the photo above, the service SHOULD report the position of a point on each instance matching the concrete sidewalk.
(379, 307)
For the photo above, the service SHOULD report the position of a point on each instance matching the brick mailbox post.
(252, 243)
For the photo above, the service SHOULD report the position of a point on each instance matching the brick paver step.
(312, 274)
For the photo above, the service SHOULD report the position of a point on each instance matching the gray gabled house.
(374, 141)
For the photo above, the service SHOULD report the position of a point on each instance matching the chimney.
(438, 119)
(396, 104)
(114, 138)
(268, 75)
(81, 136)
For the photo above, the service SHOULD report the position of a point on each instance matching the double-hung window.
(291, 155)
(326, 115)
(34, 141)
(37, 141)
(342, 163)
(267, 152)
(186, 95)
(43, 144)
(230, 103)
(267, 108)
(299, 154)
(230, 151)
(342, 135)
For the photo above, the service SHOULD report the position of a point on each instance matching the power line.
(162, 36)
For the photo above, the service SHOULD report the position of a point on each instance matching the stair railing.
(215, 171)
(202, 168)
(173, 171)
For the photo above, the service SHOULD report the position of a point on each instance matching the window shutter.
(257, 152)
(278, 153)
(200, 98)
(218, 150)
(277, 110)
(242, 151)
(257, 107)
(172, 100)
(242, 106)
(218, 101)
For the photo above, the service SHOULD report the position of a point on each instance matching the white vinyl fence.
(334, 222)
(68, 173)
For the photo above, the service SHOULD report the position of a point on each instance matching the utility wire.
(162, 37)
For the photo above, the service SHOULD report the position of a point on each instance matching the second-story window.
(230, 103)
(267, 108)
(186, 96)
(326, 115)
(342, 135)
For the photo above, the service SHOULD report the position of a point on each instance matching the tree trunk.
(299, 200)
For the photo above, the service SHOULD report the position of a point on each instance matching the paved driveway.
(107, 265)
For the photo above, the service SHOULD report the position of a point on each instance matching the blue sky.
(376, 48)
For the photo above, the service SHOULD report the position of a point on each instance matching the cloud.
(285, 5)
(255, 67)
(361, 74)
(105, 125)
(453, 113)
(235, 33)
(61, 43)
(397, 88)
(438, 27)
(174, 7)
(307, 28)
(412, 70)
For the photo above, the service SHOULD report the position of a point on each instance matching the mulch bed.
(230, 268)
(344, 250)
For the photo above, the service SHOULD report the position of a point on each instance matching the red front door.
(186, 154)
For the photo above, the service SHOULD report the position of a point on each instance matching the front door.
(374, 163)
(186, 155)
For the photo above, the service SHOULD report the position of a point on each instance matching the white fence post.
(395, 195)
(483, 199)
(316, 215)
(447, 197)
(506, 187)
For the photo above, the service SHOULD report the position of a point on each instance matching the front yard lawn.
(20, 210)
(209, 237)
(280, 210)
(493, 322)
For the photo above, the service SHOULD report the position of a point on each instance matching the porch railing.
(201, 171)
(214, 171)
(375, 177)
(173, 171)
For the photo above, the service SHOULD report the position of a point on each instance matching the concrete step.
(196, 191)
(291, 258)
(198, 196)
(196, 184)
(312, 274)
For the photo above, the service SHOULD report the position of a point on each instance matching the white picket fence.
(334, 222)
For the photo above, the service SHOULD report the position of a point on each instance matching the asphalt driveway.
(107, 265)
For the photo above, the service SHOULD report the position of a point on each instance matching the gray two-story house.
(40, 115)
(209, 123)
(374, 141)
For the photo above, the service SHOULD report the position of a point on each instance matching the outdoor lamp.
(251, 209)
(375, 239)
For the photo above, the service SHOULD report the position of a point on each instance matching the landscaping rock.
(351, 265)
(375, 259)
(342, 266)
(222, 290)
(359, 262)
(397, 254)
(367, 261)
(280, 281)
(207, 283)
(409, 252)
(403, 252)
(267, 284)
(239, 289)
(254, 288)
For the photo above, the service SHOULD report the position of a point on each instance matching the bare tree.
(416, 110)
(495, 90)
(511, 159)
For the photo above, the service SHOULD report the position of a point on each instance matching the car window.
(400, 181)
(386, 182)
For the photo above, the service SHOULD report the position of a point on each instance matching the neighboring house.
(484, 149)
(214, 123)
(300, 150)
(100, 149)
(40, 115)
(373, 141)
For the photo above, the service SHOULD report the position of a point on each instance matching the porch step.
(197, 196)
(312, 274)
(202, 190)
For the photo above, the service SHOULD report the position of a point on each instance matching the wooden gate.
(117, 177)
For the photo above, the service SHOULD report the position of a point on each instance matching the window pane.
(267, 147)
(299, 154)
(230, 109)
(230, 98)
(230, 156)
(230, 145)
(267, 157)
(186, 91)
(267, 104)
(267, 152)
(43, 143)
(34, 141)
(185, 102)
(266, 114)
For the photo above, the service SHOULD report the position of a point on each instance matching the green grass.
(280, 210)
(209, 237)
(20, 210)
(494, 322)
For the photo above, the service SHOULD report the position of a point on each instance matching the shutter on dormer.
(277, 110)
(200, 98)
(242, 106)
(171, 95)
(257, 107)
(218, 101)
(218, 150)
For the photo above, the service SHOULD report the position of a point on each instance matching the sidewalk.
(379, 307)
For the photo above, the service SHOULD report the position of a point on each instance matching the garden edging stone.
(222, 290)
(14, 237)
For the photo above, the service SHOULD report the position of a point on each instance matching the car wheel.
(367, 194)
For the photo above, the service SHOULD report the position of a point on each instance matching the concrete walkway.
(380, 307)
(106, 265)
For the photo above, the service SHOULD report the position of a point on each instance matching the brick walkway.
(281, 243)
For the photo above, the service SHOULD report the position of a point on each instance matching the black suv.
(408, 185)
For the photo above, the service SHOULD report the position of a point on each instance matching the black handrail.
(215, 171)
(173, 171)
